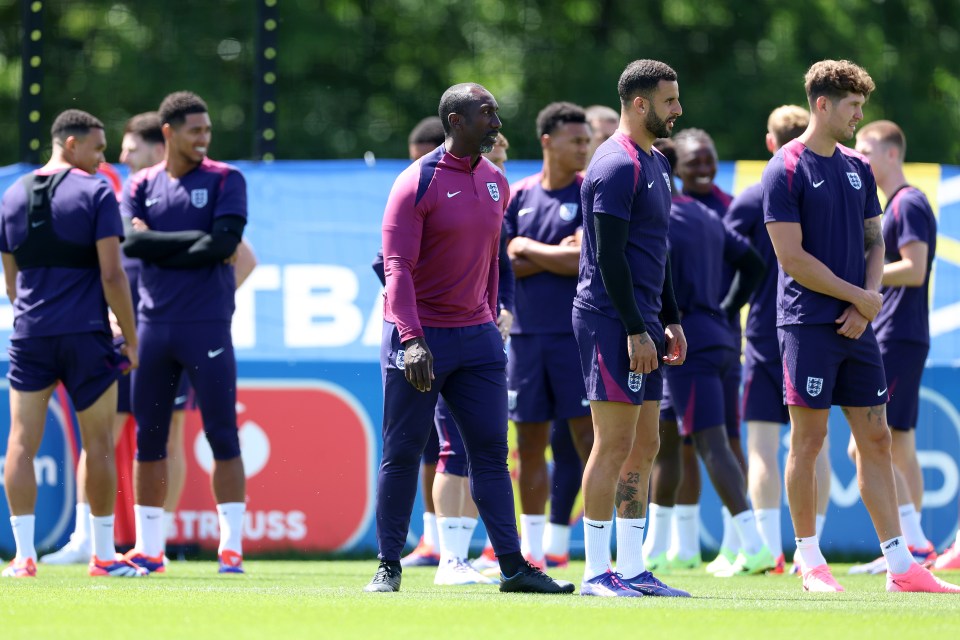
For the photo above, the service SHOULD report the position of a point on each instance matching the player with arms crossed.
(441, 241)
(195, 209)
(60, 243)
(624, 289)
(822, 213)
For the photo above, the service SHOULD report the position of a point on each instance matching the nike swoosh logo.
(151, 201)
(816, 185)
(636, 527)
(38, 224)
(450, 195)
(595, 526)
(881, 392)
(214, 354)
(524, 212)
(650, 186)
(152, 517)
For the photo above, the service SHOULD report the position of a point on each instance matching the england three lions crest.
(401, 359)
(634, 381)
(198, 198)
(494, 191)
(854, 179)
(815, 385)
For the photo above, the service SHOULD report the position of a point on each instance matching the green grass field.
(323, 599)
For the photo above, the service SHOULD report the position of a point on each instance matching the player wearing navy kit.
(822, 213)
(903, 324)
(702, 249)
(545, 382)
(623, 290)
(441, 239)
(763, 408)
(195, 209)
(60, 235)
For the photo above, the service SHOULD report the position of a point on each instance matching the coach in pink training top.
(441, 234)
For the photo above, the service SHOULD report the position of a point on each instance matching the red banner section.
(309, 454)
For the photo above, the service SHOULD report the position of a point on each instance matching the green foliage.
(356, 75)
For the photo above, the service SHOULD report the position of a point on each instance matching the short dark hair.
(147, 126)
(668, 148)
(456, 99)
(428, 131)
(73, 122)
(835, 78)
(177, 106)
(888, 133)
(693, 136)
(642, 77)
(558, 113)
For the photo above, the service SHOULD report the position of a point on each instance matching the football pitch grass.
(324, 599)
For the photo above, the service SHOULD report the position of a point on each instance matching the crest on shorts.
(634, 381)
(198, 197)
(666, 178)
(494, 191)
(814, 385)
(401, 354)
(569, 210)
(512, 399)
(854, 179)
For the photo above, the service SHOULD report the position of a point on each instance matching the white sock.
(897, 555)
(467, 526)
(912, 529)
(81, 530)
(821, 521)
(596, 545)
(449, 534)
(531, 535)
(630, 546)
(746, 526)
(430, 536)
(23, 535)
(686, 525)
(169, 527)
(730, 541)
(768, 522)
(957, 541)
(556, 539)
(231, 526)
(101, 529)
(660, 522)
(149, 526)
(809, 551)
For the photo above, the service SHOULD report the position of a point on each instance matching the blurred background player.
(763, 407)
(189, 212)
(543, 373)
(903, 324)
(498, 155)
(697, 170)
(60, 233)
(701, 250)
(603, 123)
(624, 290)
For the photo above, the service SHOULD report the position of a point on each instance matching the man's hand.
(852, 323)
(571, 241)
(517, 246)
(139, 225)
(418, 363)
(643, 353)
(130, 353)
(868, 305)
(115, 329)
(504, 323)
(676, 345)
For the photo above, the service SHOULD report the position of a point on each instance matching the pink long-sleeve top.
(441, 234)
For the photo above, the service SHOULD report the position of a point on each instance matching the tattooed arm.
(873, 249)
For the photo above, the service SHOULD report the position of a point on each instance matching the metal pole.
(31, 83)
(265, 81)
